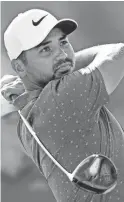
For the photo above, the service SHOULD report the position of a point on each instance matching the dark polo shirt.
(70, 118)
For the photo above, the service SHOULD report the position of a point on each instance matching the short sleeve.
(85, 92)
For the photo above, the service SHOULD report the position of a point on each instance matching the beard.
(63, 67)
(60, 69)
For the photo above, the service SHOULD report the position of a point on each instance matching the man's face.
(51, 59)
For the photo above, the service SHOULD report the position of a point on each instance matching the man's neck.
(30, 85)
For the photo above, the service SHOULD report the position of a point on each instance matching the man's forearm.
(108, 53)
(94, 56)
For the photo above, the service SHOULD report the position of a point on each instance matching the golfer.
(64, 101)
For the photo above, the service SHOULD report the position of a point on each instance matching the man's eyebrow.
(43, 44)
(63, 37)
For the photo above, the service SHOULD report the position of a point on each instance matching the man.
(64, 100)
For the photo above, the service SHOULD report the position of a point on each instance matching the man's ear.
(19, 68)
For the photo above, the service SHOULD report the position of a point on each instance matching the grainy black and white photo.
(62, 101)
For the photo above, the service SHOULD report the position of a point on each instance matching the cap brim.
(66, 25)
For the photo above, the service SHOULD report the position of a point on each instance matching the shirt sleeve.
(86, 92)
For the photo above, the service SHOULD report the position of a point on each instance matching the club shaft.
(69, 175)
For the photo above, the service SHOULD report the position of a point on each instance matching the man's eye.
(46, 49)
(62, 43)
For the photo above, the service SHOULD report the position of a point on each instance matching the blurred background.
(99, 23)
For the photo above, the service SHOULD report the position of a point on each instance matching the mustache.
(60, 62)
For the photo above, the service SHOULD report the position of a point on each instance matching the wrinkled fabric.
(70, 118)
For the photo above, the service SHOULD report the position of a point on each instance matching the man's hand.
(115, 51)
(11, 87)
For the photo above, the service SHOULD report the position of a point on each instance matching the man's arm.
(85, 57)
(109, 59)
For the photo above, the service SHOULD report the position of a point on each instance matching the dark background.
(99, 23)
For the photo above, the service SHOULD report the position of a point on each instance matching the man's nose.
(61, 54)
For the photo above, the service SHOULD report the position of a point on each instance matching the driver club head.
(97, 174)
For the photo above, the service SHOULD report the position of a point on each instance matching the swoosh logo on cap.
(39, 21)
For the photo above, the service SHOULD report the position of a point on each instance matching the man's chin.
(62, 73)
